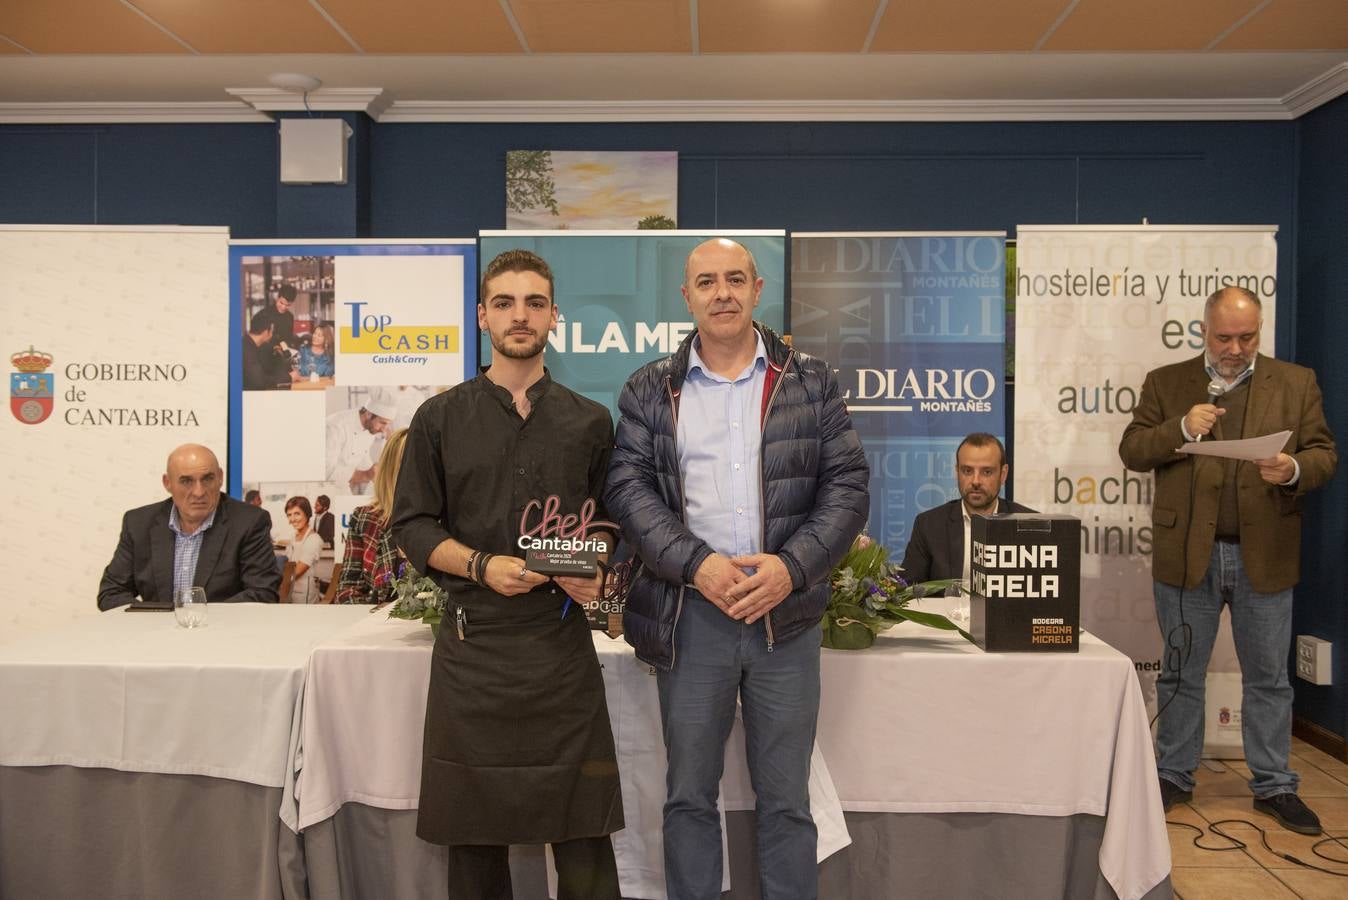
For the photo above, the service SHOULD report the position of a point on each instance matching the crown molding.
(127, 113)
(258, 105)
(833, 110)
(1318, 91)
(371, 101)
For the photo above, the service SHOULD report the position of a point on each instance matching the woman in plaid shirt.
(371, 561)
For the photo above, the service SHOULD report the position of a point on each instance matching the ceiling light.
(294, 81)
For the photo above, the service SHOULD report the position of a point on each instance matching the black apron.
(518, 748)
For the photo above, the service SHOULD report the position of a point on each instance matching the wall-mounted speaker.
(313, 151)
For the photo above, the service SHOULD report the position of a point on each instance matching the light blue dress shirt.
(187, 550)
(718, 439)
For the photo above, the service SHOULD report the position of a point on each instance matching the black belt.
(1228, 539)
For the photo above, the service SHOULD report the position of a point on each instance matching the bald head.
(1233, 298)
(1232, 318)
(700, 253)
(193, 478)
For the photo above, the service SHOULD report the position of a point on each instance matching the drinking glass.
(959, 612)
(189, 607)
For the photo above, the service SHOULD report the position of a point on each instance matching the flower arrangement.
(870, 596)
(416, 596)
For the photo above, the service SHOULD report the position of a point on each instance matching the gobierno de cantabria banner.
(117, 340)
(344, 341)
(1097, 307)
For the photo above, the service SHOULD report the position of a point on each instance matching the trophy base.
(581, 564)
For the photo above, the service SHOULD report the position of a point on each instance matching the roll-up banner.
(618, 300)
(914, 325)
(118, 352)
(1097, 307)
(334, 345)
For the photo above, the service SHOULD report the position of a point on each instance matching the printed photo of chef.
(359, 421)
(289, 339)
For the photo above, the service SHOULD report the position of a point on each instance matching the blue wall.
(1322, 329)
(447, 180)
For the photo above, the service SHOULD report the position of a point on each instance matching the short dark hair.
(250, 496)
(323, 498)
(982, 439)
(287, 291)
(514, 261)
(302, 504)
(259, 323)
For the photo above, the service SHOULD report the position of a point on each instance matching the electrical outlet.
(1314, 659)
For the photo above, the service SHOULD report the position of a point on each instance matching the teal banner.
(618, 299)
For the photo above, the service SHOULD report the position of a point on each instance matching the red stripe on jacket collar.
(770, 377)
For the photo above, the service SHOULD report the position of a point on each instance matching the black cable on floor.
(1237, 844)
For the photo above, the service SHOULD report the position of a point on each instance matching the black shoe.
(1290, 812)
(1172, 793)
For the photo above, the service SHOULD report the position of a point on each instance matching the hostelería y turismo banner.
(914, 325)
(343, 341)
(117, 345)
(1097, 307)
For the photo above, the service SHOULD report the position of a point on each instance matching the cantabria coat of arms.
(32, 387)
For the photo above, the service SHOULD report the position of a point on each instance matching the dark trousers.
(586, 870)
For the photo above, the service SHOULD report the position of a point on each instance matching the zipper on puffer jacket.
(763, 484)
(683, 512)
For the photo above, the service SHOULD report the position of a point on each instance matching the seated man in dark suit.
(938, 547)
(196, 538)
(326, 522)
(254, 365)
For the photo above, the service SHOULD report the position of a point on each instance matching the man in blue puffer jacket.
(737, 476)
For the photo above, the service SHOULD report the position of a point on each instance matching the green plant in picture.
(529, 181)
(656, 222)
(870, 596)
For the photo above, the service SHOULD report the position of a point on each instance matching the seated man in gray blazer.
(938, 547)
(196, 538)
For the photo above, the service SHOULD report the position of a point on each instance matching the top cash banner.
(1097, 307)
(618, 300)
(334, 345)
(914, 325)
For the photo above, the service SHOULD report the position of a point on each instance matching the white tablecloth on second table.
(926, 722)
(364, 711)
(134, 692)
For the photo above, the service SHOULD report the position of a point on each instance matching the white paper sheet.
(1266, 447)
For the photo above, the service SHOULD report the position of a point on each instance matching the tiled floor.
(1254, 872)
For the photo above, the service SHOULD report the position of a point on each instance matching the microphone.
(1216, 387)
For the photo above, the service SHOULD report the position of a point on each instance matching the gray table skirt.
(187, 836)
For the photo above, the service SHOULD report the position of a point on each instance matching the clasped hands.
(723, 581)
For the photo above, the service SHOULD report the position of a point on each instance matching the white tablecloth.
(365, 706)
(926, 722)
(922, 722)
(134, 692)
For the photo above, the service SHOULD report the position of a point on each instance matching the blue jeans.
(715, 659)
(1262, 627)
